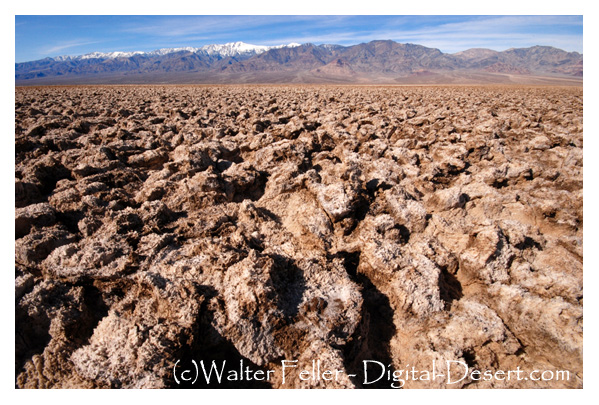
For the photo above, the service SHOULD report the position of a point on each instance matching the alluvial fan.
(285, 231)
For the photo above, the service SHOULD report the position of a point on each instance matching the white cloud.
(495, 32)
(53, 50)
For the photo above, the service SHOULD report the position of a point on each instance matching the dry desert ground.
(157, 227)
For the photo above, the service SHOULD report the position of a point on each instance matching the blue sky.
(37, 37)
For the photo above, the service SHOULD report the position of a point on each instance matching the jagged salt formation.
(402, 225)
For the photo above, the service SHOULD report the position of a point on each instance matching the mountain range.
(373, 62)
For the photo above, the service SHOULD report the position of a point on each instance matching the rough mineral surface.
(405, 225)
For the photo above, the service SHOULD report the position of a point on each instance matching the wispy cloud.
(496, 32)
(206, 27)
(497, 25)
(195, 25)
(55, 49)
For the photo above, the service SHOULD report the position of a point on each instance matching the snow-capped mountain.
(241, 62)
(231, 49)
(240, 48)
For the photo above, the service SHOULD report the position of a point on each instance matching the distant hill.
(372, 62)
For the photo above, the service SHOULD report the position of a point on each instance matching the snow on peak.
(222, 50)
(165, 51)
(233, 49)
(110, 55)
(240, 48)
(98, 55)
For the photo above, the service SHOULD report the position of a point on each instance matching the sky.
(40, 36)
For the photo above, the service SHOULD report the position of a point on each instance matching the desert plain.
(156, 225)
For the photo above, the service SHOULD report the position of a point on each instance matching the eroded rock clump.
(331, 224)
